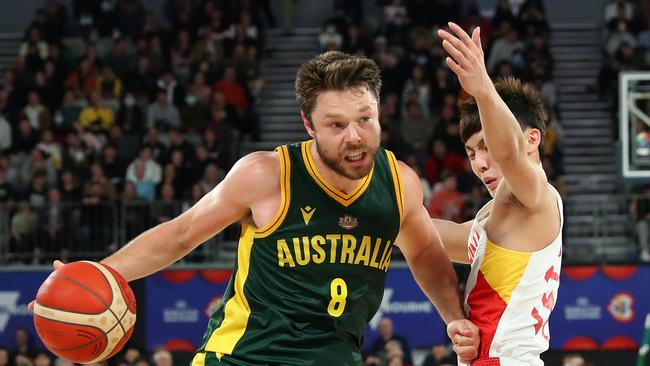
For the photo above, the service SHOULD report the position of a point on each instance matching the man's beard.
(336, 162)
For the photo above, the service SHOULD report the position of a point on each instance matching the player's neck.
(338, 181)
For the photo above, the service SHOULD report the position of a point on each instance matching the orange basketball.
(84, 312)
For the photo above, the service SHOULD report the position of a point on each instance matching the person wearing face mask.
(194, 114)
(130, 115)
(330, 39)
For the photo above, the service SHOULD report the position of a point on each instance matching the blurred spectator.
(97, 177)
(161, 114)
(82, 80)
(24, 345)
(440, 161)
(193, 113)
(150, 170)
(51, 149)
(330, 39)
(616, 7)
(162, 357)
(504, 47)
(233, 91)
(573, 359)
(213, 175)
(416, 125)
(36, 192)
(438, 355)
(120, 59)
(446, 202)
(386, 334)
(70, 111)
(130, 115)
(173, 91)
(56, 223)
(112, 167)
(209, 47)
(142, 81)
(36, 113)
(4, 356)
(5, 134)
(42, 359)
(36, 163)
(640, 213)
(69, 187)
(619, 36)
(96, 116)
(24, 232)
(165, 208)
(108, 84)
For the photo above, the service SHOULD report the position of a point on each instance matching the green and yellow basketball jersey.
(305, 286)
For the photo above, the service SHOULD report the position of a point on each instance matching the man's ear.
(534, 139)
(308, 125)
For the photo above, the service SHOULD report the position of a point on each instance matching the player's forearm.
(149, 252)
(436, 277)
(503, 135)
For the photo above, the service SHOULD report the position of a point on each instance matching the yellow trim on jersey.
(285, 189)
(198, 360)
(237, 310)
(503, 268)
(397, 182)
(340, 197)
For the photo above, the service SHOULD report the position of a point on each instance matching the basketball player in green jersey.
(319, 221)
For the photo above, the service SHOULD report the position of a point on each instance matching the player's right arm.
(228, 202)
(454, 238)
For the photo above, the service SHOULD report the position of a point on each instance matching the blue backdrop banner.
(17, 289)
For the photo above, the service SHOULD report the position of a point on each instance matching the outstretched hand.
(56, 264)
(466, 338)
(467, 59)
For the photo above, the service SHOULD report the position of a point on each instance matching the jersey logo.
(348, 222)
(307, 213)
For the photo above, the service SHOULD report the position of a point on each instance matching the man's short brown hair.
(523, 101)
(334, 70)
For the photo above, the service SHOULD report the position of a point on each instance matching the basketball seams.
(112, 333)
(113, 284)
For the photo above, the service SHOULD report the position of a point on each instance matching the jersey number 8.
(339, 292)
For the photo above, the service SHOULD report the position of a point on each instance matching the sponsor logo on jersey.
(307, 213)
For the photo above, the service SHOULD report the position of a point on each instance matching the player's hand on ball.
(466, 60)
(56, 264)
(466, 338)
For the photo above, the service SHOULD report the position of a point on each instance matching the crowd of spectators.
(419, 102)
(23, 352)
(108, 105)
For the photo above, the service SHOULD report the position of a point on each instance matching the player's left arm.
(508, 145)
(421, 245)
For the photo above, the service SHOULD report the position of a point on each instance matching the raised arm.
(454, 238)
(423, 250)
(508, 145)
(227, 203)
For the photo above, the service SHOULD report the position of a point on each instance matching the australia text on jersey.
(343, 248)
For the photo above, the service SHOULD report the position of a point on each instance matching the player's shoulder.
(408, 175)
(259, 162)
(256, 170)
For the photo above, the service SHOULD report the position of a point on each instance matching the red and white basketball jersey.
(510, 296)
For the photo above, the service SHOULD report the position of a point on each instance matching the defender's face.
(482, 164)
(346, 130)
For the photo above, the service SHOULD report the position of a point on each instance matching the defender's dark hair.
(525, 103)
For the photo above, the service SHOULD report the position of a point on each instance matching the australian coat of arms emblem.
(348, 222)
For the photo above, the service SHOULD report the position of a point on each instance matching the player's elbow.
(177, 234)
